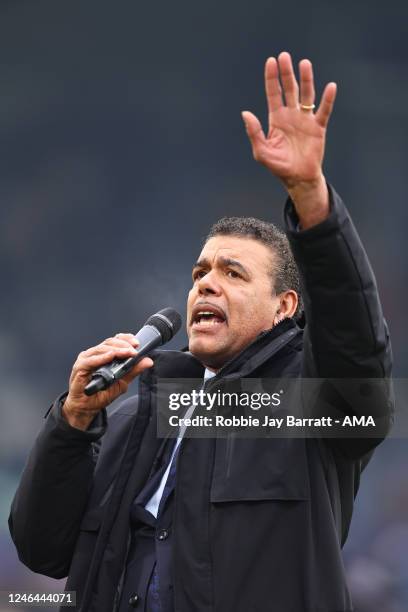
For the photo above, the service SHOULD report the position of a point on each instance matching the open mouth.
(207, 317)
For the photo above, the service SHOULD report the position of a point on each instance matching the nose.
(208, 285)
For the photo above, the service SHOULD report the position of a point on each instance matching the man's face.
(232, 284)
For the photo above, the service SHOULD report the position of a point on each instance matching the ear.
(288, 303)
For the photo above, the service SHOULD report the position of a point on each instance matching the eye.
(199, 274)
(233, 274)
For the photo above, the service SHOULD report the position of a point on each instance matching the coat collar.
(177, 364)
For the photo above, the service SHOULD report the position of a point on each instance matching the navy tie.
(170, 482)
(153, 597)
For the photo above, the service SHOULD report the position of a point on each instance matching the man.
(223, 524)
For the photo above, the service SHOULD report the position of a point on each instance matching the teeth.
(207, 317)
(208, 322)
(205, 321)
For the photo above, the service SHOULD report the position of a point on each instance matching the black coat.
(258, 523)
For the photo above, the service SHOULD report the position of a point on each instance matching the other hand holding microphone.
(79, 409)
(103, 372)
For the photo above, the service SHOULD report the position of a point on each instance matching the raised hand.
(293, 149)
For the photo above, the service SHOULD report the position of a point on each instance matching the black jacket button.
(162, 534)
(133, 600)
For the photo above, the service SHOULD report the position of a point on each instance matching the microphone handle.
(149, 338)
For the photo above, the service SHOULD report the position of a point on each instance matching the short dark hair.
(285, 273)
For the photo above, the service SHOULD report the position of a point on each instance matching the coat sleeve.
(346, 340)
(48, 505)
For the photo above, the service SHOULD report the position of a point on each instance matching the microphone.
(158, 329)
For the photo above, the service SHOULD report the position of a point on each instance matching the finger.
(272, 86)
(102, 356)
(120, 343)
(82, 375)
(326, 104)
(120, 387)
(254, 131)
(129, 337)
(109, 344)
(85, 365)
(307, 90)
(289, 82)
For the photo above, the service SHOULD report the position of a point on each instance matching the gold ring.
(307, 107)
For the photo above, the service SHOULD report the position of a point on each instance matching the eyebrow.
(226, 262)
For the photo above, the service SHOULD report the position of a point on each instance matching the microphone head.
(167, 322)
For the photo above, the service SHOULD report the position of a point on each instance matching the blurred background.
(121, 142)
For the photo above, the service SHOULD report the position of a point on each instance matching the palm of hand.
(294, 146)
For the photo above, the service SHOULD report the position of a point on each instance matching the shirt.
(153, 504)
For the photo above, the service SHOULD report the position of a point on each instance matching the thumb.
(137, 369)
(253, 127)
(255, 134)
